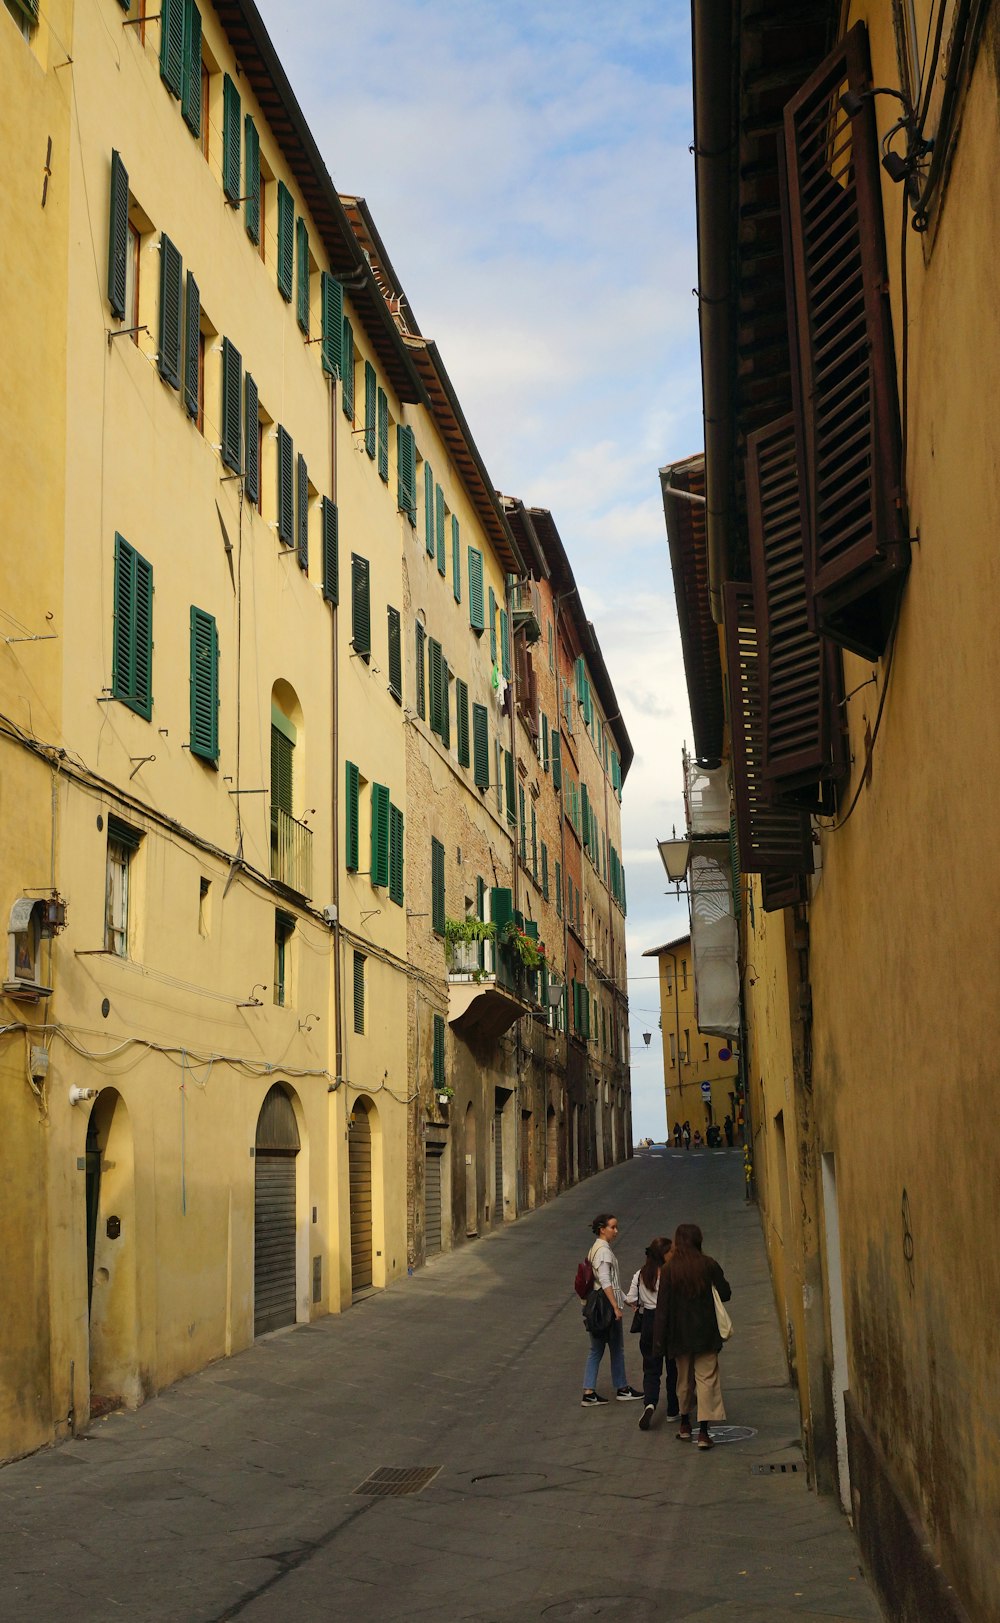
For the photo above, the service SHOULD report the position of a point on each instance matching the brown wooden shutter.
(782, 890)
(800, 680)
(773, 838)
(857, 538)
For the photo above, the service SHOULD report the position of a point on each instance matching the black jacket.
(687, 1324)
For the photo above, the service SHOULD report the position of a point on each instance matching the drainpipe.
(338, 1021)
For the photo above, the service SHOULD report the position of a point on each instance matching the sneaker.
(646, 1418)
(589, 1399)
(628, 1394)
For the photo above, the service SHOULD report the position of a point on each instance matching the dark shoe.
(628, 1394)
(589, 1399)
(704, 1440)
(646, 1418)
(684, 1435)
(673, 1414)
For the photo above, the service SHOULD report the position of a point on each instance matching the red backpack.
(583, 1284)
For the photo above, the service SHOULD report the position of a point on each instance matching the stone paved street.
(232, 1495)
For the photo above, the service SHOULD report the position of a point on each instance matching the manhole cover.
(610, 1608)
(787, 1468)
(502, 1483)
(391, 1481)
(732, 1434)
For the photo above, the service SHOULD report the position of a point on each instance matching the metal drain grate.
(392, 1481)
(773, 1470)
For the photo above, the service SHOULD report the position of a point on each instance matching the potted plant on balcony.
(530, 952)
(466, 930)
(443, 1094)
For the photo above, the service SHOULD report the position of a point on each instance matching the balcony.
(489, 988)
(291, 852)
(526, 610)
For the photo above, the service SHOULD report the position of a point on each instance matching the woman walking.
(642, 1296)
(685, 1328)
(605, 1265)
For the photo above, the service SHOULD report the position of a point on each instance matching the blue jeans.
(616, 1343)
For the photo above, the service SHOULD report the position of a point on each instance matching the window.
(686, 1051)
(396, 851)
(395, 655)
(439, 515)
(480, 746)
(286, 241)
(534, 846)
(508, 764)
(25, 14)
(302, 513)
(284, 925)
(282, 771)
(232, 405)
(194, 355)
(302, 278)
(253, 186)
(204, 906)
(352, 779)
(437, 887)
(347, 375)
(440, 1078)
(123, 842)
(119, 244)
(552, 660)
(286, 488)
(361, 627)
(545, 871)
(406, 472)
(204, 685)
(252, 441)
(379, 874)
(331, 550)
(559, 900)
(232, 125)
(359, 993)
(420, 637)
(462, 721)
(132, 655)
(504, 645)
(206, 103)
(456, 562)
(382, 433)
(172, 46)
(371, 389)
(429, 509)
(437, 683)
(476, 619)
(169, 336)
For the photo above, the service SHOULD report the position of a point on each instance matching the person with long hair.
(641, 1295)
(685, 1328)
(605, 1265)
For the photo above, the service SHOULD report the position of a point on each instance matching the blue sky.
(527, 166)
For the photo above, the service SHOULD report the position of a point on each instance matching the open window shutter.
(191, 72)
(370, 388)
(302, 274)
(545, 743)
(439, 526)
(504, 645)
(493, 622)
(437, 887)
(395, 656)
(406, 472)
(445, 705)
(782, 890)
(420, 637)
(556, 749)
(251, 441)
(232, 124)
(347, 374)
(462, 721)
(772, 838)
(480, 746)
(286, 515)
(251, 202)
(558, 890)
(361, 628)
(534, 845)
(286, 241)
(439, 1072)
(803, 745)
(332, 311)
(192, 335)
(380, 834)
(331, 560)
(282, 773)
(118, 238)
(429, 509)
(545, 871)
(171, 281)
(172, 45)
(132, 656)
(522, 823)
(382, 430)
(501, 905)
(434, 664)
(396, 850)
(232, 404)
(456, 564)
(204, 685)
(585, 812)
(476, 619)
(302, 515)
(508, 764)
(351, 785)
(857, 538)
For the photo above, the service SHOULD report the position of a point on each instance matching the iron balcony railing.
(291, 852)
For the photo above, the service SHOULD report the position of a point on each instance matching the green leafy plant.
(530, 952)
(467, 930)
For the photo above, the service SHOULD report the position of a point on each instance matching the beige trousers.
(699, 1372)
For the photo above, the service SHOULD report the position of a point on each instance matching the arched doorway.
(275, 1148)
(471, 1192)
(359, 1161)
(111, 1255)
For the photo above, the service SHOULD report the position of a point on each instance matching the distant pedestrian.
(605, 1265)
(697, 1139)
(642, 1296)
(687, 1135)
(727, 1128)
(677, 1135)
(685, 1328)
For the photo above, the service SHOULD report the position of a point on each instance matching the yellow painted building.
(692, 1059)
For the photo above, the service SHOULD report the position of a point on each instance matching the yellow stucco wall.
(683, 1078)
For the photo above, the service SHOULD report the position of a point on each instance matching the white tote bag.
(723, 1320)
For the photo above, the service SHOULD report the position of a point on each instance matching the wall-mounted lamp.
(304, 1024)
(674, 854)
(253, 1001)
(647, 1037)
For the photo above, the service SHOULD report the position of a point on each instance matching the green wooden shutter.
(462, 720)
(232, 404)
(545, 871)
(545, 743)
(361, 624)
(522, 824)
(251, 440)
(191, 72)
(406, 472)
(395, 655)
(476, 619)
(302, 515)
(534, 846)
(396, 849)
(282, 763)
(585, 813)
(437, 887)
(439, 527)
(286, 487)
(332, 313)
(504, 645)
(192, 349)
(558, 890)
(370, 408)
(480, 746)
(456, 561)
(352, 786)
(331, 550)
(347, 372)
(419, 640)
(204, 685)
(286, 241)
(359, 993)
(493, 627)
(251, 202)
(439, 1069)
(302, 276)
(172, 45)
(171, 281)
(556, 749)
(382, 433)
(429, 509)
(132, 652)
(445, 706)
(434, 664)
(118, 238)
(501, 905)
(508, 765)
(232, 124)
(380, 834)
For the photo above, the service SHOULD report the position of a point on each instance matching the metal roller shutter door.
(498, 1156)
(359, 1149)
(273, 1242)
(432, 1199)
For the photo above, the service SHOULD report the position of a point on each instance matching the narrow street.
(233, 1495)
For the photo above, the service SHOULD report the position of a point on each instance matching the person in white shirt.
(605, 1265)
(641, 1295)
